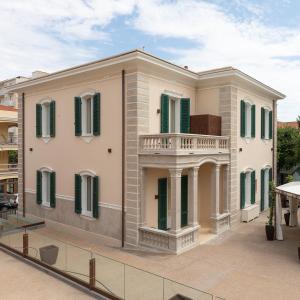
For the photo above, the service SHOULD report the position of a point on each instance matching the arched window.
(247, 187)
(46, 187)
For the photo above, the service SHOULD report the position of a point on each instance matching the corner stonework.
(228, 112)
(137, 122)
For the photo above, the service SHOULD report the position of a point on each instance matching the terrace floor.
(240, 264)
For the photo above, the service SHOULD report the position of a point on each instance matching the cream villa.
(142, 150)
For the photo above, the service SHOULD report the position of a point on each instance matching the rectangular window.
(267, 130)
(248, 120)
(88, 115)
(87, 194)
(46, 119)
(46, 188)
(248, 189)
(174, 117)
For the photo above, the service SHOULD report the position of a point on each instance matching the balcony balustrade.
(182, 144)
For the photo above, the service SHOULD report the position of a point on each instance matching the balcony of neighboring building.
(8, 137)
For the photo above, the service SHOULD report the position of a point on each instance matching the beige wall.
(256, 153)
(67, 154)
(207, 102)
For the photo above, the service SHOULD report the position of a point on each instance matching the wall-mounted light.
(109, 150)
(241, 149)
(31, 149)
(158, 111)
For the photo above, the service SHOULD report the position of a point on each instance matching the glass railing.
(115, 278)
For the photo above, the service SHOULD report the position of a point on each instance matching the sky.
(261, 38)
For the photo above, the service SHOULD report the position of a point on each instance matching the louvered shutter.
(270, 124)
(38, 187)
(252, 187)
(262, 123)
(38, 116)
(185, 115)
(52, 118)
(96, 114)
(243, 118)
(164, 114)
(96, 197)
(77, 194)
(78, 125)
(52, 189)
(262, 189)
(242, 189)
(253, 125)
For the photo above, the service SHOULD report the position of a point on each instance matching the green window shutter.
(164, 114)
(77, 194)
(96, 114)
(185, 115)
(243, 118)
(252, 187)
(52, 118)
(38, 187)
(184, 201)
(270, 180)
(242, 189)
(78, 127)
(262, 123)
(52, 189)
(162, 203)
(38, 117)
(262, 189)
(96, 197)
(253, 109)
(270, 124)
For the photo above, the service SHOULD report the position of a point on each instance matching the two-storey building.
(145, 151)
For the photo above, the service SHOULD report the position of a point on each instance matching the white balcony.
(9, 142)
(183, 144)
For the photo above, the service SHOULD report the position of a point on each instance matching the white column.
(142, 178)
(225, 188)
(215, 209)
(278, 218)
(193, 196)
(175, 196)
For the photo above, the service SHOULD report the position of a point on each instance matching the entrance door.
(184, 201)
(162, 203)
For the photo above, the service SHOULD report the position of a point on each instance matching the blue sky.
(262, 38)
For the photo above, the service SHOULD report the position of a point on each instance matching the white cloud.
(52, 34)
(224, 39)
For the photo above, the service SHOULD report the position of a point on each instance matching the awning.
(292, 191)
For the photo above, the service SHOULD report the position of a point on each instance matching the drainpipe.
(123, 158)
(274, 135)
(23, 154)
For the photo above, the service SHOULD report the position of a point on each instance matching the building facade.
(8, 138)
(123, 147)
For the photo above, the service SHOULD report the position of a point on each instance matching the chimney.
(37, 74)
(186, 67)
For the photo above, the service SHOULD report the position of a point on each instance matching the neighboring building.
(119, 129)
(8, 137)
(288, 124)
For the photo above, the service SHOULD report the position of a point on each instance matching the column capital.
(217, 167)
(175, 172)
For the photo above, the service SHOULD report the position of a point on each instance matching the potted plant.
(287, 214)
(270, 229)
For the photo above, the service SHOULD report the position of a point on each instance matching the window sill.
(47, 206)
(87, 138)
(88, 218)
(46, 139)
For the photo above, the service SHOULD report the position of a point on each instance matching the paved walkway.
(241, 264)
(19, 280)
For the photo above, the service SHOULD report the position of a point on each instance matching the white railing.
(9, 139)
(180, 143)
(7, 168)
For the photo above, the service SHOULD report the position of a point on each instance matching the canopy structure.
(292, 192)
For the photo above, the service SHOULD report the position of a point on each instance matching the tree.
(288, 148)
(12, 156)
(298, 121)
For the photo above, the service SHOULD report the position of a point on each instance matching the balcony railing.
(8, 168)
(180, 143)
(9, 140)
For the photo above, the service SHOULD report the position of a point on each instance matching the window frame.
(248, 121)
(84, 175)
(267, 123)
(176, 117)
(46, 118)
(84, 100)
